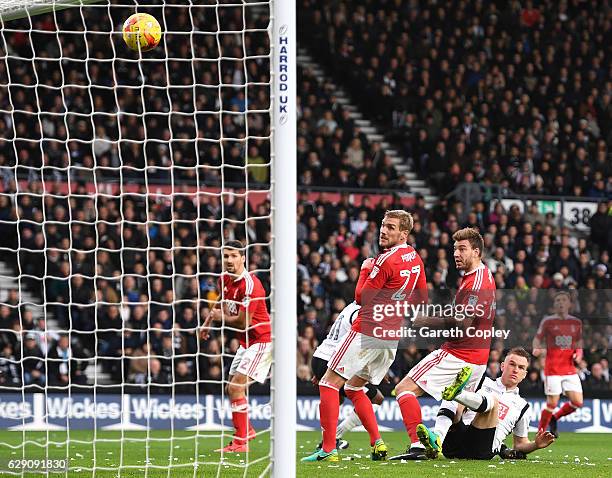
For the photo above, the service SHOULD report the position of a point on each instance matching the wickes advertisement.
(210, 412)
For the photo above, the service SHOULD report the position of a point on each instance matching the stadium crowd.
(157, 123)
(163, 113)
(515, 95)
(150, 300)
(131, 274)
(529, 255)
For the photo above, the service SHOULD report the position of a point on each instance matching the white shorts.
(367, 357)
(254, 362)
(438, 370)
(559, 384)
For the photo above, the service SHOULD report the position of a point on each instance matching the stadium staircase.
(372, 132)
(9, 281)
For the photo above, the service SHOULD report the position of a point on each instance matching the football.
(141, 31)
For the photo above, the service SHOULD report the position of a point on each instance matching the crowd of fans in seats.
(529, 254)
(509, 95)
(168, 111)
(117, 272)
(121, 301)
(332, 150)
(124, 282)
(129, 276)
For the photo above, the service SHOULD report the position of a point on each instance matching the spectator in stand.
(597, 381)
(493, 370)
(10, 368)
(158, 377)
(33, 362)
(532, 385)
(63, 366)
(583, 370)
(183, 378)
(485, 96)
(605, 368)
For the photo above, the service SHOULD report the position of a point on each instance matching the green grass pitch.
(572, 455)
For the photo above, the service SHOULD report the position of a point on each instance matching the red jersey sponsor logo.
(247, 293)
(561, 338)
(477, 290)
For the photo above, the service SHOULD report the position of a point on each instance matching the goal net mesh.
(122, 174)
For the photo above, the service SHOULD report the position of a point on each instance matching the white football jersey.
(338, 330)
(512, 412)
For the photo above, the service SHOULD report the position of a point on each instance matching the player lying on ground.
(362, 357)
(559, 338)
(486, 417)
(439, 368)
(320, 359)
(242, 307)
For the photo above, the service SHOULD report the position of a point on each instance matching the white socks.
(479, 402)
(351, 422)
(443, 423)
(444, 420)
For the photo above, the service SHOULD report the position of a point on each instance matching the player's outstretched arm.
(205, 329)
(542, 440)
(539, 340)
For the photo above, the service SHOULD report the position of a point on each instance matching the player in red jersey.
(559, 338)
(368, 350)
(473, 314)
(242, 306)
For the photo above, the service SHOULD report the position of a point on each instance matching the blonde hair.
(471, 235)
(405, 219)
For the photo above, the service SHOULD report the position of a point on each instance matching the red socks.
(411, 413)
(545, 419)
(329, 407)
(365, 412)
(240, 418)
(566, 409)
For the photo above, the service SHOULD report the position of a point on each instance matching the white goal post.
(282, 188)
(285, 236)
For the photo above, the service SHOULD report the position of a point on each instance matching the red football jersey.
(398, 275)
(247, 293)
(562, 339)
(478, 290)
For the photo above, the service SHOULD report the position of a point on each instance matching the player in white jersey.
(341, 326)
(339, 329)
(486, 417)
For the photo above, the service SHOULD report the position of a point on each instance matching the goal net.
(122, 175)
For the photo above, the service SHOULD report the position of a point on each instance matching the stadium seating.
(483, 103)
(517, 100)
